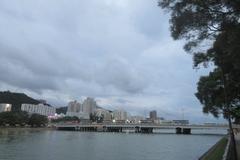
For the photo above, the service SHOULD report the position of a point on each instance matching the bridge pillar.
(146, 130)
(104, 129)
(114, 129)
(137, 129)
(178, 130)
(186, 131)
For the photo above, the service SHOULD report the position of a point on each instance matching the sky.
(119, 52)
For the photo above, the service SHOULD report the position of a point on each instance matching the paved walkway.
(237, 137)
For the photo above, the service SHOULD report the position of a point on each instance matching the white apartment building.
(39, 109)
(136, 119)
(81, 111)
(74, 107)
(119, 115)
(89, 105)
(106, 114)
(4, 107)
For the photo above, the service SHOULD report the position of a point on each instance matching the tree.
(61, 110)
(226, 76)
(197, 20)
(96, 118)
(217, 21)
(210, 93)
(214, 22)
(13, 118)
(66, 119)
(37, 120)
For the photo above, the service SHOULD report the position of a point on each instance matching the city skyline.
(121, 53)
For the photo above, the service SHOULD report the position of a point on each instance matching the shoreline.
(28, 128)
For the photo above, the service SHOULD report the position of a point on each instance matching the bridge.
(138, 128)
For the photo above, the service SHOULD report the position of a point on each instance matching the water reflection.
(33, 144)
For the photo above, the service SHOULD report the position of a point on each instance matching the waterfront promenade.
(237, 137)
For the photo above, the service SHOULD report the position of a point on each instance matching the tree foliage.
(36, 120)
(62, 110)
(211, 29)
(66, 119)
(198, 20)
(96, 118)
(13, 118)
(22, 118)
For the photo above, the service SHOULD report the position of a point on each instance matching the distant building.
(210, 124)
(74, 106)
(153, 115)
(103, 112)
(89, 105)
(4, 107)
(75, 109)
(119, 115)
(166, 122)
(147, 121)
(136, 119)
(181, 122)
(41, 109)
(83, 110)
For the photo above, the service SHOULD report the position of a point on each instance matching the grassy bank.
(217, 151)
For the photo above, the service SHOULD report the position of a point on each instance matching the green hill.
(16, 99)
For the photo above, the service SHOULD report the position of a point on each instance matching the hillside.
(16, 99)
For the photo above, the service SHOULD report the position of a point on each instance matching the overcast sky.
(118, 51)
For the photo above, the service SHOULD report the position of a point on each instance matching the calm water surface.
(29, 144)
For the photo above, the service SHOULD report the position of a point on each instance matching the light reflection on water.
(34, 144)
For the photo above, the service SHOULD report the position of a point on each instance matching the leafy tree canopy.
(36, 120)
(198, 20)
(211, 29)
(66, 119)
(22, 118)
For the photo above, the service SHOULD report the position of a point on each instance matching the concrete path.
(237, 137)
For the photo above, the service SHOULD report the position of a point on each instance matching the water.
(33, 144)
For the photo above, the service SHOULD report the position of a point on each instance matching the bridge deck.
(132, 126)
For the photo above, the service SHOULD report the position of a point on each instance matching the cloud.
(119, 52)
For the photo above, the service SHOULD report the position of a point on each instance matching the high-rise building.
(74, 106)
(153, 115)
(103, 112)
(81, 111)
(120, 115)
(89, 105)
